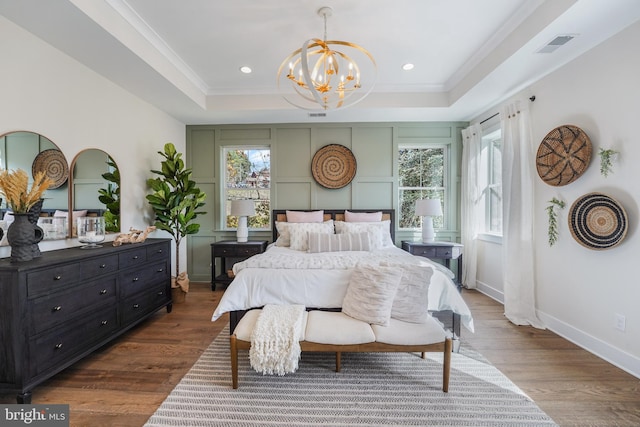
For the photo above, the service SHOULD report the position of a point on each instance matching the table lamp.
(242, 209)
(427, 209)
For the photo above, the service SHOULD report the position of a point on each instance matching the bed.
(290, 273)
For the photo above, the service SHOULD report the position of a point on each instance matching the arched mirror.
(33, 152)
(95, 181)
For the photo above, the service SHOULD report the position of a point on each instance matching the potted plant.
(175, 201)
(23, 235)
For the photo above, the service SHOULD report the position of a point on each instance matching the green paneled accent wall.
(375, 146)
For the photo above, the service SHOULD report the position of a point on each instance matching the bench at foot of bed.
(338, 333)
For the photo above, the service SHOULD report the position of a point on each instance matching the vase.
(34, 215)
(23, 237)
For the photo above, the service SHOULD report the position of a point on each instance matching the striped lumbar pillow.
(319, 242)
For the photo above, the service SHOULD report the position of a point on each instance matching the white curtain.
(471, 147)
(517, 216)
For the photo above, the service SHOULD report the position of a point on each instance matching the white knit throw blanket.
(275, 348)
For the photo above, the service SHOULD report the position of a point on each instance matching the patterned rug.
(373, 389)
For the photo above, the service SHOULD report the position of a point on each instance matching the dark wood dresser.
(67, 303)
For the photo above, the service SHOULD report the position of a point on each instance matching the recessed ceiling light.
(407, 67)
(245, 69)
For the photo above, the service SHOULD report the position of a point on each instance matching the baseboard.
(617, 357)
(489, 291)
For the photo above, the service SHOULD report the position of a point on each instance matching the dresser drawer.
(50, 311)
(95, 267)
(133, 257)
(58, 345)
(430, 252)
(44, 281)
(138, 306)
(157, 251)
(134, 281)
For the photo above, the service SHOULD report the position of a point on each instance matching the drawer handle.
(447, 253)
(160, 293)
(103, 265)
(135, 257)
(159, 251)
(136, 305)
(135, 279)
(103, 292)
(57, 308)
(104, 322)
(160, 270)
(58, 346)
(57, 277)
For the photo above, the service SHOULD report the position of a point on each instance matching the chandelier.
(319, 76)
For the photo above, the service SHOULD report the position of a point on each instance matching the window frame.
(446, 187)
(489, 137)
(224, 200)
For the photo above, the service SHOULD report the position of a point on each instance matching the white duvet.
(285, 276)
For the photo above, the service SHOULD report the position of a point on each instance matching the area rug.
(372, 389)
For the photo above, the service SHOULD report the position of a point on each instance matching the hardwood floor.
(123, 383)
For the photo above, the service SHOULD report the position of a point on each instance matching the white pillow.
(302, 216)
(370, 294)
(284, 235)
(379, 233)
(362, 216)
(299, 233)
(322, 242)
(412, 297)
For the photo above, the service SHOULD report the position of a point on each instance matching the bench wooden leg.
(338, 359)
(233, 344)
(446, 365)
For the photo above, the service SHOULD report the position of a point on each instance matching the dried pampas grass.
(14, 186)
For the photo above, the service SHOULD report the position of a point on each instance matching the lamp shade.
(243, 208)
(428, 207)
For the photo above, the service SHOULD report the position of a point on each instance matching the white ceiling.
(184, 55)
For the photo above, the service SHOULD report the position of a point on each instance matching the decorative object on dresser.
(175, 201)
(66, 304)
(427, 209)
(242, 209)
(563, 155)
(91, 231)
(23, 235)
(445, 251)
(230, 252)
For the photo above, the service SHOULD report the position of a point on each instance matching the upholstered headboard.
(336, 215)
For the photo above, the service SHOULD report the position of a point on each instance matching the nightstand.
(445, 251)
(230, 252)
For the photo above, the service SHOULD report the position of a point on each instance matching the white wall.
(579, 290)
(44, 91)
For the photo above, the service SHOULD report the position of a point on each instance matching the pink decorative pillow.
(362, 216)
(301, 216)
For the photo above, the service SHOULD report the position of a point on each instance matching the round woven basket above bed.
(597, 221)
(333, 166)
(54, 165)
(563, 155)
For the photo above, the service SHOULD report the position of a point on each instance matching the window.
(422, 171)
(490, 181)
(248, 176)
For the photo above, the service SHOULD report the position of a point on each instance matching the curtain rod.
(533, 98)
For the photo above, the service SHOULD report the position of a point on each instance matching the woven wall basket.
(333, 166)
(563, 155)
(597, 221)
(54, 165)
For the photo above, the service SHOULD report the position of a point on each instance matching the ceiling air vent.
(556, 43)
(317, 114)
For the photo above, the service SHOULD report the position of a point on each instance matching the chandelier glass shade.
(325, 74)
